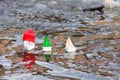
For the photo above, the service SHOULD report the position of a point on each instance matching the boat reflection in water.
(29, 60)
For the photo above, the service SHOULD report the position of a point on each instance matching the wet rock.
(81, 58)
(39, 47)
(105, 73)
(60, 58)
(84, 39)
(40, 6)
(3, 50)
(113, 35)
(1, 66)
(17, 60)
(53, 48)
(13, 69)
(53, 18)
(5, 42)
(59, 38)
(100, 9)
(103, 54)
(50, 32)
(101, 23)
(99, 62)
(19, 48)
(106, 55)
(95, 68)
(40, 57)
(109, 57)
(88, 50)
(19, 54)
(106, 35)
(80, 41)
(117, 22)
(117, 55)
(61, 51)
(57, 59)
(52, 3)
(77, 34)
(117, 18)
(2, 72)
(101, 18)
(90, 55)
(73, 8)
(40, 70)
(98, 36)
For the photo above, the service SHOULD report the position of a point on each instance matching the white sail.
(69, 46)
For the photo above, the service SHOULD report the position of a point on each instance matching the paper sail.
(47, 44)
(69, 46)
(29, 60)
(29, 39)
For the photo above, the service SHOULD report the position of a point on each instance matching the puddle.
(95, 35)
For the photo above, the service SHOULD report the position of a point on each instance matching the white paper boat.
(69, 46)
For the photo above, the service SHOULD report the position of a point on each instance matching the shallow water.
(50, 14)
(65, 17)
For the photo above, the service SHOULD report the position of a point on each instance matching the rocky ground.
(96, 37)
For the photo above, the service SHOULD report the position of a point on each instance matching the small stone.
(105, 73)
(97, 36)
(103, 61)
(95, 68)
(103, 54)
(80, 57)
(17, 60)
(3, 50)
(13, 70)
(1, 66)
(18, 48)
(61, 51)
(101, 23)
(2, 72)
(5, 42)
(40, 57)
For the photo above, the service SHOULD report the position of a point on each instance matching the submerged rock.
(2, 72)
